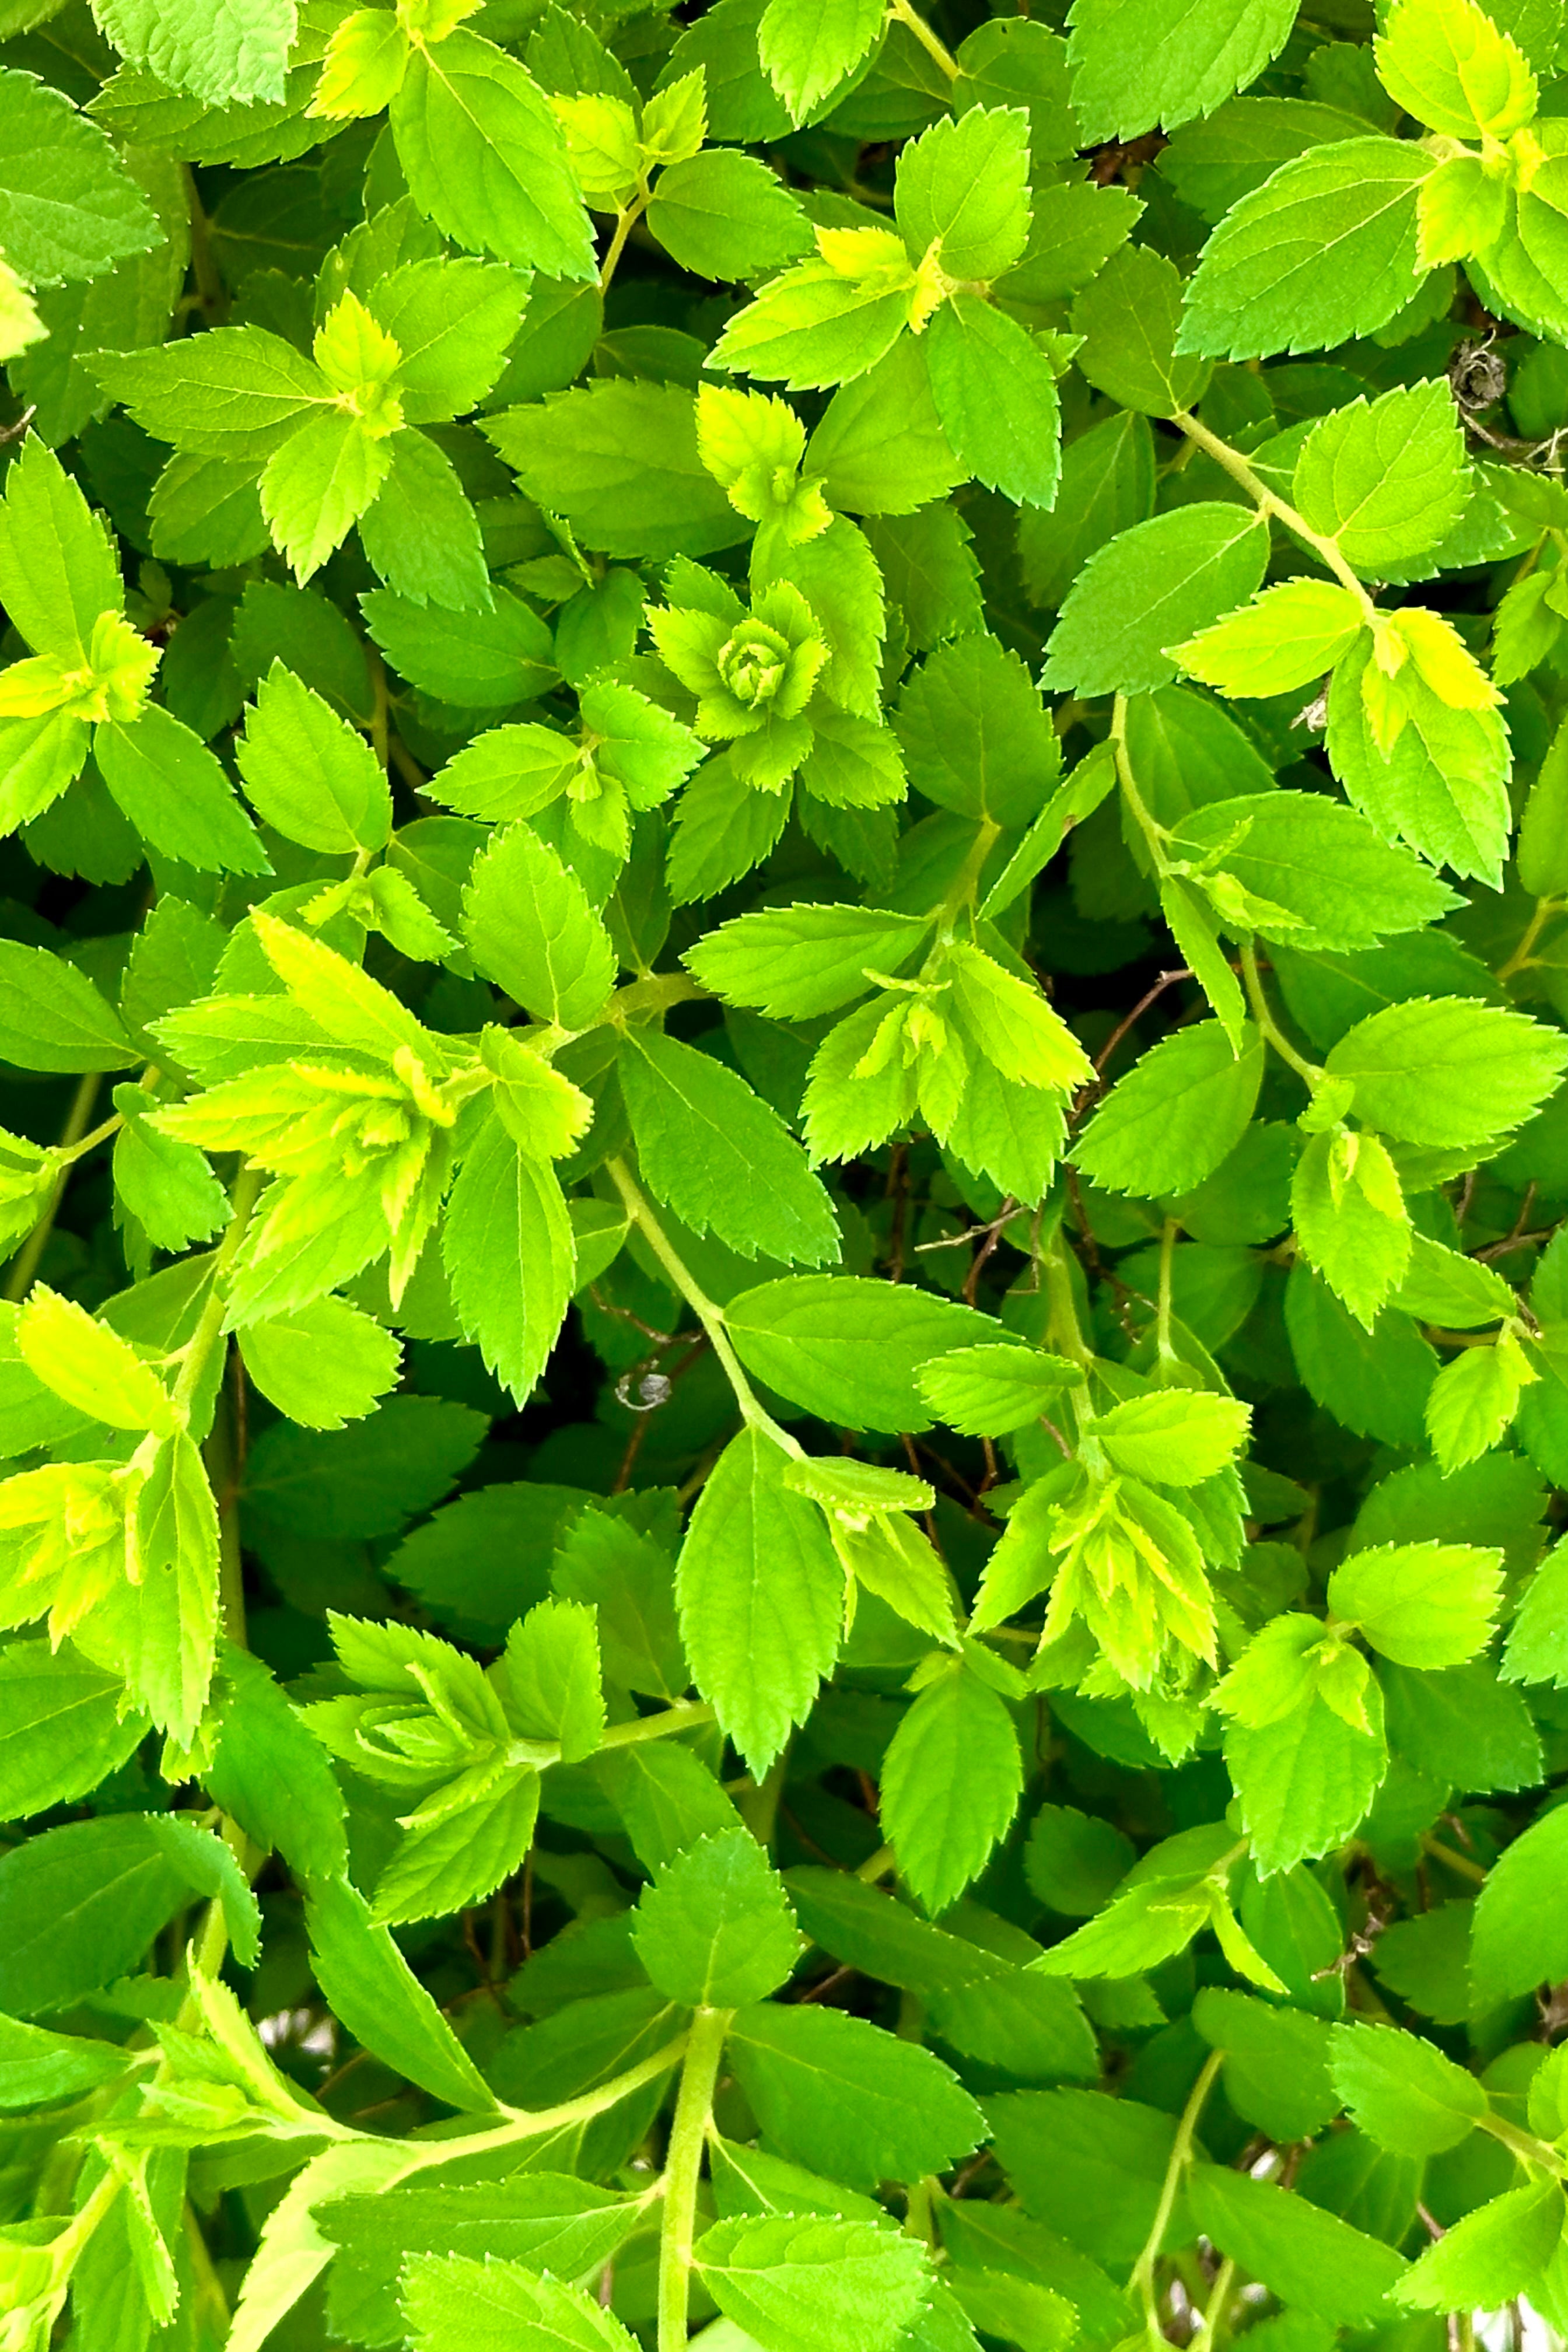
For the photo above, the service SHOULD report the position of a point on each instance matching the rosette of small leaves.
(783, 1376)
(753, 674)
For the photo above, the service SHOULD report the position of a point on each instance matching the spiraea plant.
(784, 992)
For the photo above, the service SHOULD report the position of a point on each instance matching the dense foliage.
(782, 981)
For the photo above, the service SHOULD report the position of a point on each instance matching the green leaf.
(1446, 63)
(822, 323)
(1092, 2167)
(849, 1350)
(1537, 1649)
(1134, 67)
(1387, 478)
(1402, 2092)
(168, 1657)
(620, 461)
(761, 1593)
(38, 2066)
(993, 1390)
(1285, 638)
(168, 1187)
(53, 1018)
(808, 47)
(452, 2303)
(324, 1365)
(951, 1784)
(1316, 874)
(1213, 163)
(420, 532)
(380, 2000)
(1420, 1604)
(715, 1929)
(547, 2221)
(1308, 2258)
(1462, 1718)
(1276, 2062)
(720, 1157)
(1324, 250)
(801, 960)
(846, 2099)
(460, 1857)
(90, 1365)
(231, 50)
(964, 187)
(974, 734)
(238, 392)
(507, 1248)
(176, 794)
(1128, 317)
(317, 485)
(57, 570)
(1178, 1437)
(69, 209)
(1114, 634)
(482, 661)
(1449, 1070)
(80, 1905)
(1176, 1115)
(786, 2280)
(485, 159)
(1074, 1862)
(63, 1727)
(1304, 1782)
(271, 1773)
(531, 928)
(995, 395)
(366, 1480)
(724, 215)
(1519, 1937)
(882, 1936)
(1351, 1219)
(292, 2252)
(1499, 2250)
(879, 448)
(554, 1685)
(1143, 1926)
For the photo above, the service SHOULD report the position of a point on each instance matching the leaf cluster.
(783, 1006)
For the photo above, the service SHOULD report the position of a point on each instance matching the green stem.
(1452, 1860)
(682, 2170)
(208, 1333)
(1263, 1015)
(625, 222)
(222, 1456)
(25, 1265)
(1162, 1347)
(1154, 834)
(654, 994)
(522, 2123)
(1219, 2295)
(1522, 958)
(378, 717)
(1181, 2157)
(1268, 503)
(211, 292)
(1062, 1325)
(709, 1316)
(686, 1717)
(1525, 2144)
(900, 11)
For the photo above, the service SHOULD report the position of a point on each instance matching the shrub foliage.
(786, 847)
